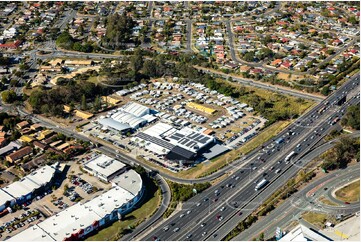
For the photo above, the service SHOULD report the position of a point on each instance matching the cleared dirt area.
(349, 193)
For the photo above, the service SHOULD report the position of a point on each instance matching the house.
(3, 142)
(35, 127)
(276, 62)
(26, 139)
(244, 68)
(13, 45)
(286, 64)
(68, 109)
(20, 154)
(22, 125)
(83, 114)
(45, 134)
(111, 99)
(39, 145)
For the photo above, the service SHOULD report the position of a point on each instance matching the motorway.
(291, 209)
(306, 131)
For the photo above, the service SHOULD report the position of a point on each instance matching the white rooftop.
(136, 109)
(31, 182)
(158, 129)
(4, 197)
(34, 232)
(80, 216)
(104, 165)
(130, 181)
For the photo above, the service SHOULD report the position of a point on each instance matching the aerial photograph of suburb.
(179, 120)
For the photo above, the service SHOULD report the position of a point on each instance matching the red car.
(347, 203)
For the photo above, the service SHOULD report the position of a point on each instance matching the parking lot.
(18, 221)
(80, 187)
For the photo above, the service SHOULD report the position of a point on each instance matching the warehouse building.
(183, 144)
(79, 220)
(104, 167)
(129, 117)
(28, 187)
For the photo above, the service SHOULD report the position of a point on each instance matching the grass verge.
(318, 219)
(349, 193)
(326, 201)
(151, 200)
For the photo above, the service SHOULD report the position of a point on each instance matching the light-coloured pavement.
(346, 230)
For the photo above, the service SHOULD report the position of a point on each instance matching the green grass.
(151, 201)
(317, 219)
(349, 193)
(266, 134)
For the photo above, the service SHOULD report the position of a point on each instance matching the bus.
(322, 110)
(261, 184)
(290, 155)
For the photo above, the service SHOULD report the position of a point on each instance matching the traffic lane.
(249, 192)
(294, 203)
(205, 207)
(263, 189)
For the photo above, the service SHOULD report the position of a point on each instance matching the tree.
(352, 117)
(137, 61)
(325, 90)
(65, 40)
(249, 56)
(9, 96)
(149, 68)
(83, 103)
(97, 104)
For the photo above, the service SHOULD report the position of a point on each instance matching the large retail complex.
(78, 221)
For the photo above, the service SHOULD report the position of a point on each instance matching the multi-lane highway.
(301, 201)
(218, 208)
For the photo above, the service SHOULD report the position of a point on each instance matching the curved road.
(166, 198)
(298, 203)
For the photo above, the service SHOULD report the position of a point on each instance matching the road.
(166, 198)
(293, 207)
(269, 87)
(208, 210)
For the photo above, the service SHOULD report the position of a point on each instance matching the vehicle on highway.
(182, 215)
(290, 155)
(203, 224)
(189, 236)
(176, 229)
(347, 203)
(214, 235)
(240, 213)
(272, 167)
(198, 204)
(204, 233)
(261, 184)
(222, 209)
(166, 228)
(278, 171)
(189, 211)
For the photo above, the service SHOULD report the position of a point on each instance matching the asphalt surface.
(166, 198)
(244, 186)
(291, 209)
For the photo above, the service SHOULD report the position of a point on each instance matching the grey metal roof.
(114, 124)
